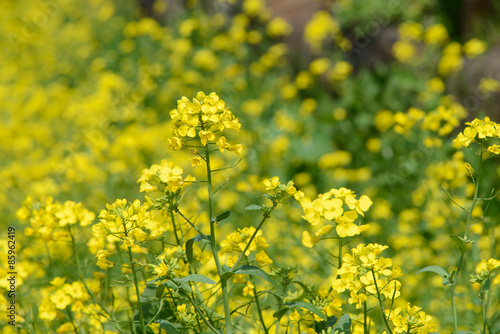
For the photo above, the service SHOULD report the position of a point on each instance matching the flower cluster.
(366, 273)
(482, 130)
(165, 177)
(125, 222)
(205, 117)
(278, 191)
(173, 264)
(411, 320)
(46, 216)
(237, 240)
(53, 223)
(480, 281)
(61, 295)
(330, 206)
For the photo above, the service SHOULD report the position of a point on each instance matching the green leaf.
(197, 278)
(226, 275)
(159, 291)
(256, 271)
(459, 242)
(280, 313)
(170, 285)
(438, 270)
(222, 216)
(189, 246)
(153, 281)
(344, 324)
(168, 326)
(308, 306)
(254, 207)
(486, 284)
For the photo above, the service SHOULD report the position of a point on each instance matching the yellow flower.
(238, 149)
(308, 240)
(278, 27)
(404, 51)
(60, 299)
(436, 85)
(248, 289)
(324, 230)
(410, 31)
(47, 310)
(319, 66)
(272, 183)
(295, 316)
(196, 161)
(474, 48)
(436, 34)
(205, 136)
(263, 259)
(488, 85)
(340, 71)
(495, 149)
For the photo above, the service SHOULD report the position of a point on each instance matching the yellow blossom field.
(249, 166)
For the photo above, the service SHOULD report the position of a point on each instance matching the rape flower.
(365, 271)
(237, 240)
(263, 259)
(340, 71)
(411, 320)
(321, 26)
(436, 34)
(248, 289)
(404, 51)
(308, 240)
(165, 176)
(482, 129)
(474, 48)
(47, 310)
(319, 66)
(436, 85)
(203, 117)
(60, 299)
(277, 27)
(410, 31)
(488, 85)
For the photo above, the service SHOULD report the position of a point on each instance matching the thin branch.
(451, 199)
(190, 223)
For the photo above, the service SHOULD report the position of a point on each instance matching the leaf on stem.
(168, 326)
(308, 306)
(254, 207)
(343, 325)
(256, 271)
(189, 246)
(438, 270)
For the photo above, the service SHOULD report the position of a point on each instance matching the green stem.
(136, 282)
(452, 296)
(277, 330)
(484, 305)
(476, 191)
(467, 226)
(365, 317)
(340, 253)
(223, 282)
(175, 228)
(205, 320)
(379, 297)
(261, 318)
(72, 320)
